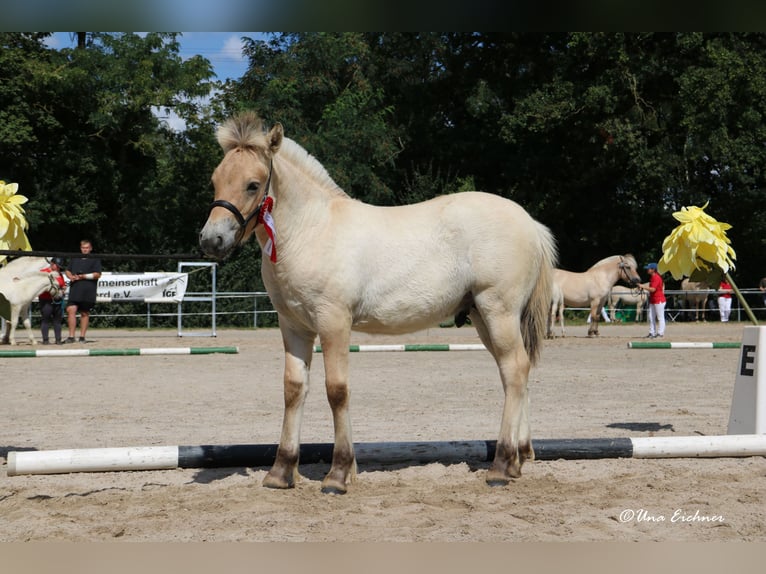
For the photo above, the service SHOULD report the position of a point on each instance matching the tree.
(599, 135)
(83, 140)
(602, 136)
(723, 97)
(318, 86)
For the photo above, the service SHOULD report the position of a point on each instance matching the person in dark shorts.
(83, 273)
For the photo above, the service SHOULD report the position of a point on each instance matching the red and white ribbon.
(264, 217)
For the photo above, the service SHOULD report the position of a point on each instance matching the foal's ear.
(275, 137)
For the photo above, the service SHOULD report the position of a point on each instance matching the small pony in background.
(21, 281)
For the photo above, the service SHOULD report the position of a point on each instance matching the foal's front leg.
(298, 353)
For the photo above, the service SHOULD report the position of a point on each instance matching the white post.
(748, 403)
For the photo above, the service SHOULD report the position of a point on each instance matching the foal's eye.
(252, 187)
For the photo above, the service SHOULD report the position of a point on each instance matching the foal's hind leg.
(502, 337)
(335, 340)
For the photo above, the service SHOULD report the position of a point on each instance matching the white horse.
(21, 281)
(591, 288)
(697, 301)
(627, 297)
(332, 264)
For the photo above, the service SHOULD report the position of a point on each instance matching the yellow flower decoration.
(13, 223)
(700, 242)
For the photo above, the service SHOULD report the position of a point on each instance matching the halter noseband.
(245, 221)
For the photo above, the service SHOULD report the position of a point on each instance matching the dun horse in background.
(696, 301)
(591, 288)
(332, 264)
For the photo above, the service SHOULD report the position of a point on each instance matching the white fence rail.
(257, 305)
(675, 310)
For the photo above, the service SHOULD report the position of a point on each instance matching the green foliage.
(601, 136)
(82, 139)
(319, 87)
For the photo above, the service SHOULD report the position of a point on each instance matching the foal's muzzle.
(243, 221)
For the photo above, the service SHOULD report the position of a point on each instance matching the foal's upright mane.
(246, 130)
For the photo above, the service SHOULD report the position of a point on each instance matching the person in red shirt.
(724, 300)
(656, 288)
(50, 307)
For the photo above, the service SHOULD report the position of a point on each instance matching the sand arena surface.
(582, 388)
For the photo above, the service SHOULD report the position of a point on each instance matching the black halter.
(244, 221)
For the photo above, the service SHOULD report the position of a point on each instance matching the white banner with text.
(149, 287)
